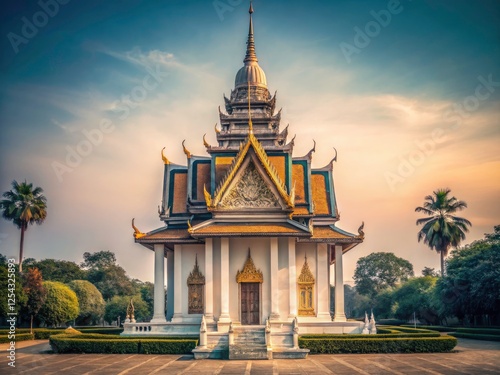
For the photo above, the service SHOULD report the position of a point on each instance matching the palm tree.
(24, 205)
(441, 230)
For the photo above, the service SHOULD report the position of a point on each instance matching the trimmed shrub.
(380, 335)
(96, 343)
(60, 306)
(103, 331)
(475, 336)
(77, 345)
(147, 346)
(19, 337)
(376, 345)
(480, 331)
(45, 333)
(407, 329)
(391, 322)
(432, 328)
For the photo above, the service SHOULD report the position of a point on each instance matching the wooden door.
(250, 303)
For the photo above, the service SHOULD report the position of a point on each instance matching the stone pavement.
(470, 357)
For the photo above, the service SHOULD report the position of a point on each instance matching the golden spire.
(188, 154)
(250, 55)
(165, 160)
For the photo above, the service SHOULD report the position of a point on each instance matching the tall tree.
(442, 230)
(379, 271)
(57, 270)
(24, 206)
(35, 292)
(90, 301)
(61, 304)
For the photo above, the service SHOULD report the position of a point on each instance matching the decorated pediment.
(249, 273)
(251, 182)
(250, 191)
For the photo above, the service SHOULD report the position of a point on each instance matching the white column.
(224, 281)
(339, 287)
(275, 309)
(177, 284)
(292, 278)
(170, 284)
(159, 289)
(322, 282)
(209, 280)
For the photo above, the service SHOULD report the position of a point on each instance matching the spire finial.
(250, 55)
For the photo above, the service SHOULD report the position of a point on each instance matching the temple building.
(249, 236)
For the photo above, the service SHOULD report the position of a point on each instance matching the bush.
(147, 346)
(19, 337)
(103, 331)
(379, 335)
(480, 331)
(44, 333)
(407, 329)
(60, 306)
(476, 336)
(377, 345)
(96, 343)
(432, 328)
(391, 322)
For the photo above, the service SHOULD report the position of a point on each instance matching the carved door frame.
(250, 274)
(241, 301)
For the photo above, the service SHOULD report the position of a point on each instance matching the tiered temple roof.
(249, 184)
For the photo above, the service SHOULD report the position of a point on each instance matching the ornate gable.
(251, 182)
(250, 191)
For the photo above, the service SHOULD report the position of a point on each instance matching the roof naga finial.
(360, 230)
(186, 151)
(163, 157)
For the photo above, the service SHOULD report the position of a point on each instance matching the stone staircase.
(249, 343)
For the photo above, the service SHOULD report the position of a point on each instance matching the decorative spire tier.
(250, 87)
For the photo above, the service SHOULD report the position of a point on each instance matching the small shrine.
(249, 235)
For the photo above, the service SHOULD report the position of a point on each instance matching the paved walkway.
(470, 357)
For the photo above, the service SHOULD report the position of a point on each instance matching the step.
(246, 352)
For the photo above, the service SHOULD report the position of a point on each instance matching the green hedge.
(375, 345)
(149, 346)
(95, 343)
(406, 329)
(480, 331)
(379, 335)
(475, 336)
(19, 337)
(433, 328)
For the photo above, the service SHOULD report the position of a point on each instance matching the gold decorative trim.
(130, 311)
(163, 157)
(249, 274)
(253, 142)
(137, 233)
(306, 290)
(195, 283)
(306, 276)
(205, 143)
(217, 131)
(188, 154)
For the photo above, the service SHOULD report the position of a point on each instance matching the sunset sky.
(408, 93)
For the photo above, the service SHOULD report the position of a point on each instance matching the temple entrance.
(250, 303)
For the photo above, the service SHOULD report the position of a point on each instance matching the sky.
(408, 92)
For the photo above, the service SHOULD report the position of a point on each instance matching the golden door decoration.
(306, 291)
(196, 283)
